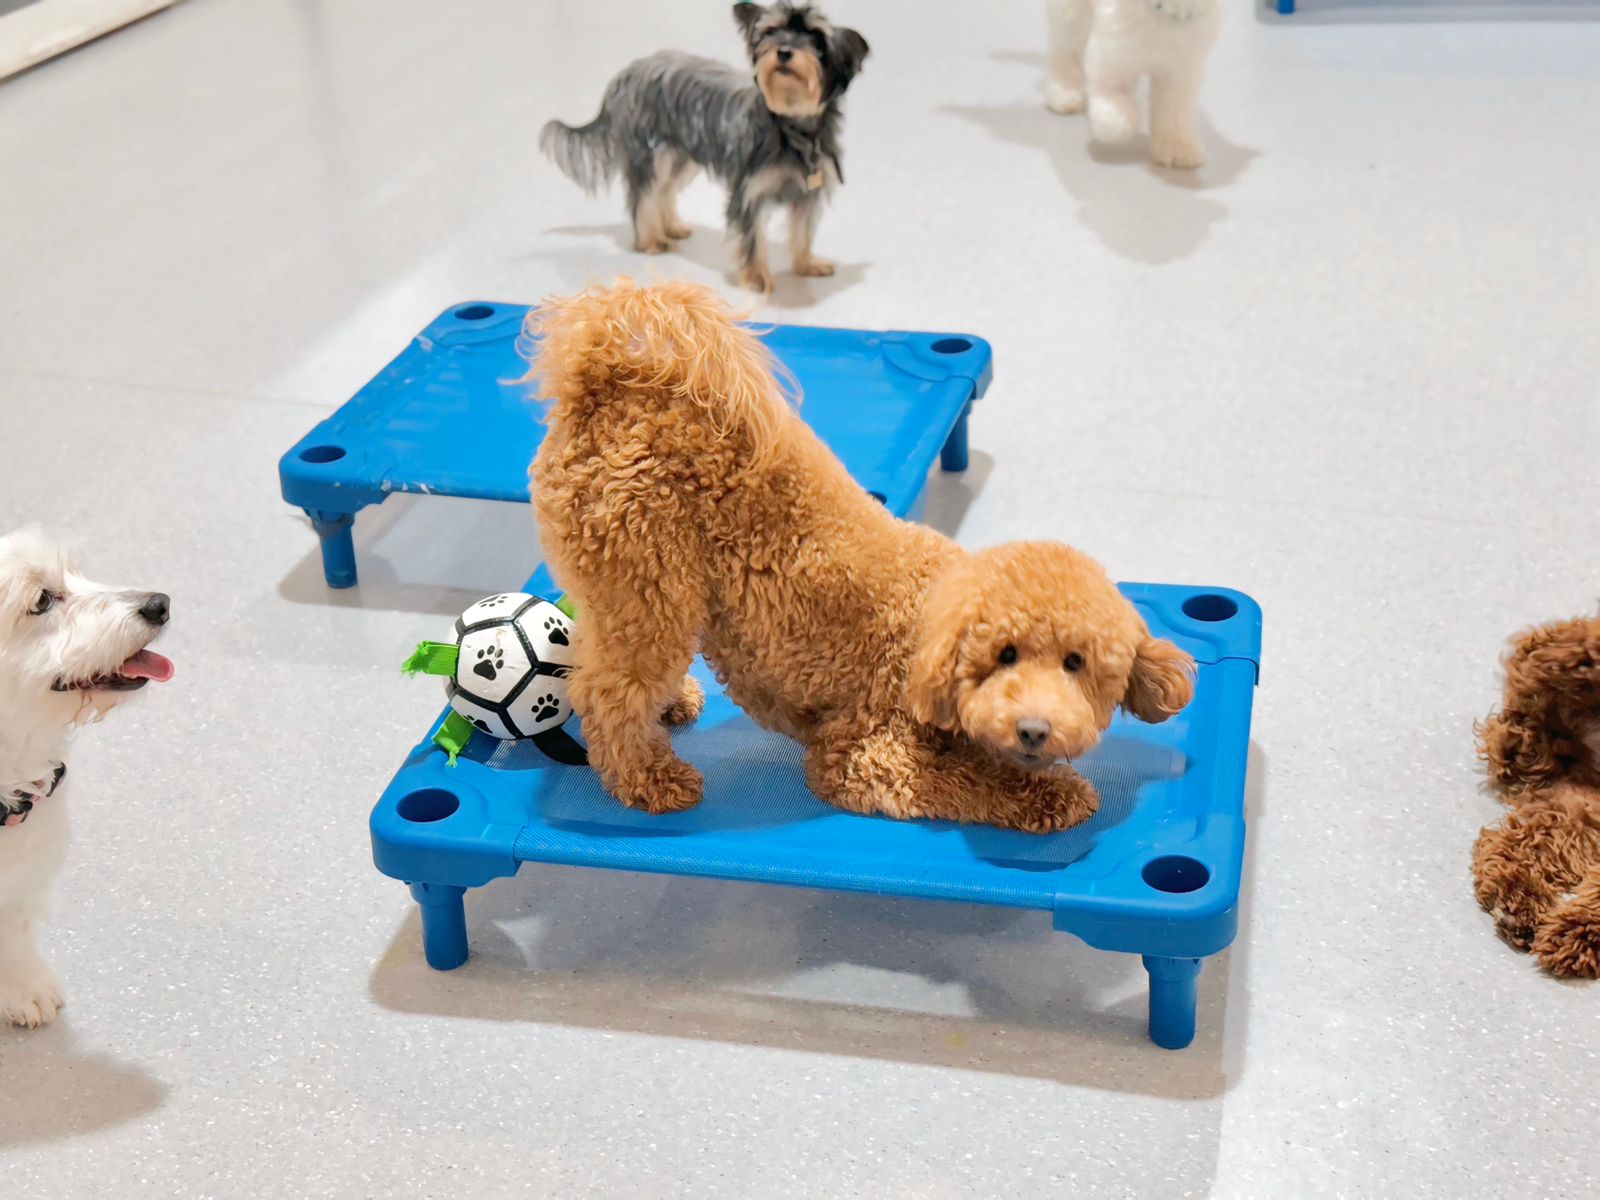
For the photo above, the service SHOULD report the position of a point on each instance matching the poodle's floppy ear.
(1162, 682)
(847, 50)
(1519, 750)
(931, 681)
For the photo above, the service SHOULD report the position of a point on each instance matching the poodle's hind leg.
(890, 769)
(1568, 942)
(685, 708)
(629, 671)
(1522, 867)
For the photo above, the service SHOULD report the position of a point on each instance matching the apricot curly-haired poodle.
(685, 506)
(1538, 871)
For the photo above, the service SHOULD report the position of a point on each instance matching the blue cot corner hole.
(1176, 874)
(474, 312)
(951, 346)
(322, 454)
(427, 805)
(1208, 606)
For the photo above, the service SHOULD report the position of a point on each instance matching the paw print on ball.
(495, 601)
(491, 661)
(481, 724)
(556, 630)
(545, 707)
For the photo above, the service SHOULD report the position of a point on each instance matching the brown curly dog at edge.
(1538, 871)
(686, 507)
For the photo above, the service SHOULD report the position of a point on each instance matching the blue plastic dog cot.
(1156, 872)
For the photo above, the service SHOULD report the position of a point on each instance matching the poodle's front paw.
(1569, 942)
(1061, 97)
(756, 279)
(1183, 153)
(677, 231)
(690, 703)
(668, 786)
(1056, 800)
(1113, 119)
(652, 245)
(31, 1000)
(811, 265)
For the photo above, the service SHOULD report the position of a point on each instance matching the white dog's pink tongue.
(147, 664)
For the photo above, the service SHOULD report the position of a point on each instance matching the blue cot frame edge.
(331, 495)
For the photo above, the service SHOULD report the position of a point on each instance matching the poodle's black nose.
(157, 607)
(784, 54)
(1033, 733)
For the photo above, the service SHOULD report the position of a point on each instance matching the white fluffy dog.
(1099, 49)
(70, 650)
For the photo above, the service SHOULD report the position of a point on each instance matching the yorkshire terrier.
(773, 139)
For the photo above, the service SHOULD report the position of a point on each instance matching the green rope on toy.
(433, 658)
(453, 736)
(566, 605)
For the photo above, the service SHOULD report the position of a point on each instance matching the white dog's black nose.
(784, 54)
(1033, 733)
(157, 607)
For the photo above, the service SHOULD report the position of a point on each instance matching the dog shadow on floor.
(956, 986)
(1140, 211)
(707, 249)
(51, 1090)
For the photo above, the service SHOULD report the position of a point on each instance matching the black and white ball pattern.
(512, 675)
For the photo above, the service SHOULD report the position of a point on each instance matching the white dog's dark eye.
(1073, 661)
(1008, 655)
(41, 603)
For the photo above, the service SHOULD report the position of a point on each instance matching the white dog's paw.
(1062, 97)
(1113, 119)
(31, 1001)
(1181, 152)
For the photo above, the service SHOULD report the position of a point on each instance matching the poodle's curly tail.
(678, 338)
(585, 154)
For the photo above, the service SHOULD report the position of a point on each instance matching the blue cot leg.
(444, 924)
(1172, 1000)
(954, 455)
(1285, 8)
(338, 547)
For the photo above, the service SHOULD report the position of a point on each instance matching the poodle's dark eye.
(1073, 661)
(41, 603)
(1008, 655)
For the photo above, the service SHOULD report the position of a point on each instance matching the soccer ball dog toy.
(506, 675)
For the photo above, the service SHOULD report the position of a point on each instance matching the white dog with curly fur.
(1100, 49)
(70, 651)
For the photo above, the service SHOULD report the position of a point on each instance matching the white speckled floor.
(1351, 368)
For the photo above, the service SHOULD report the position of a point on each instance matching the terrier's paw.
(811, 265)
(654, 246)
(688, 706)
(1180, 152)
(669, 786)
(757, 279)
(677, 231)
(32, 1000)
(1568, 943)
(1062, 97)
(1113, 119)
